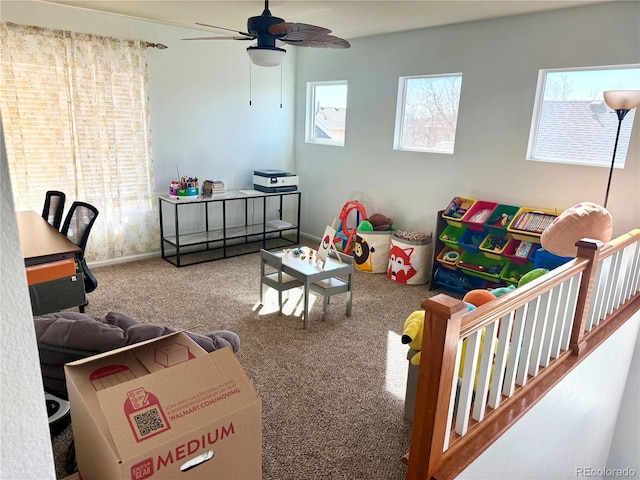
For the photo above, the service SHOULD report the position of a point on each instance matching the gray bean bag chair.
(67, 336)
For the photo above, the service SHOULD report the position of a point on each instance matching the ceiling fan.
(266, 29)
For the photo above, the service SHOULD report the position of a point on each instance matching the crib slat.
(468, 378)
(515, 350)
(500, 364)
(484, 371)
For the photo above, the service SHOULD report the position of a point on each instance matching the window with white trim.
(326, 112)
(572, 124)
(427, 113)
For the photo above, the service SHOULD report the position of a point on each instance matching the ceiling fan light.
(266, 56)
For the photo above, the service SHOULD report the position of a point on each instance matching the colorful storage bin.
(449, 257)
(544, 259)
(493, 246)
(457, 210)
(451, 234)
(471, 240)
(457, 281)
(371, 250)
(500, 219)
(521, 251)
(477, 265)
(478, 214)
(529, 223)
(514, 272)
(409, 259)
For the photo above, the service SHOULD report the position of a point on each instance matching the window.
(76, 119)
(326, 112)
(572, 124)
(427, 113)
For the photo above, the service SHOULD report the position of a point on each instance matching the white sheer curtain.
(76, 119)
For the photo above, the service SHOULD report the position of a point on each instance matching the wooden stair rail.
(445, 328)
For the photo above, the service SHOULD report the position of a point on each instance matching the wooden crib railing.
(480, 371)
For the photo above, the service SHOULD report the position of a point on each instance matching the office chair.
(53, 208)
(76, 227)
(331, 286)
(278, 280)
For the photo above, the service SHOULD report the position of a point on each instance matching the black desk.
(52, 265)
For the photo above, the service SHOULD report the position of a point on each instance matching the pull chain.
(281, 85)
(249, 82)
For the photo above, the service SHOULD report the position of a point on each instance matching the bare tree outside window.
(428, 113)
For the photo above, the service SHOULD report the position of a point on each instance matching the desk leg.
(349, 292)
(306, 304)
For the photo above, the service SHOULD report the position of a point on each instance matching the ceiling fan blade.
(227, 37)
(323, 41)
(297, 31)
(223, 28)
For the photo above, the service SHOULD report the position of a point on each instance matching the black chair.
(53, 208)
(76, 227)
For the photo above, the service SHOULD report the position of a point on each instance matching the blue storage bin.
(471, 240)
(544, 259)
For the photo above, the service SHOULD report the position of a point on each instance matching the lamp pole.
(621, 114)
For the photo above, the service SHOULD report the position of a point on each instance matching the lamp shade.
(622, 99)
(266, 56)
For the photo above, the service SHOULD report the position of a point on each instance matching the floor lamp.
(622, 101)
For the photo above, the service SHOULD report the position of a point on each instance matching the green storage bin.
(514, 272)
(478, 265)
(494, 224)
(451, 235)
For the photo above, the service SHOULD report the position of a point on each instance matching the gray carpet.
(332, 396)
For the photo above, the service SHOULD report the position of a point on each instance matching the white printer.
(273, 181)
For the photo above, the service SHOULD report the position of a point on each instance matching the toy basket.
(449, 257)
(500, 219)
(371, 250)
(478, 214)
(409, 259)
(451, 235)
(529, 223)
(457, 210)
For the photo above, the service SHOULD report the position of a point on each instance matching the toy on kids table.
(583, 220)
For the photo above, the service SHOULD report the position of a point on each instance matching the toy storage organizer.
(409, 258)
(483, 244)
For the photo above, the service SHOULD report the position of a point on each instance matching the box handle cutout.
(194, 462)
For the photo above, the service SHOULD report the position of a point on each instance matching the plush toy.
(532, 275)
(498, 292)
(412, 334)
(478, 297)
(584, 220)
(380, 222)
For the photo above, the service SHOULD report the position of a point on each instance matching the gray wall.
(499, 60)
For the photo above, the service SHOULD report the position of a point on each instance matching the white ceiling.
(347, 19)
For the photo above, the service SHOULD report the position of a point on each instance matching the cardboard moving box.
(164, 409)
